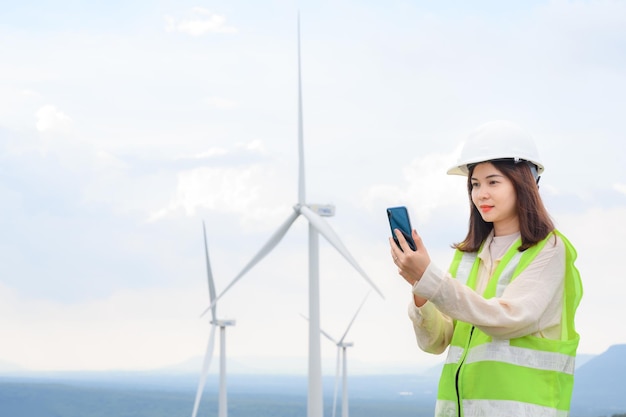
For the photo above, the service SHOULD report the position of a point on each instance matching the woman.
(505, 308)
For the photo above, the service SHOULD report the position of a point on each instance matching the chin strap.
(533, 169)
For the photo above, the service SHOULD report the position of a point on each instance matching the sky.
(124, 125)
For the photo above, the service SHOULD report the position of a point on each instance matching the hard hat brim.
(463, 170)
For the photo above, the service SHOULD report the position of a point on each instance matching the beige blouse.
(530, 304)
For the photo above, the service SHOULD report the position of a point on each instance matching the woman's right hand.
(411, 264)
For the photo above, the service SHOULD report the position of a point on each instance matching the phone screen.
(399, 219)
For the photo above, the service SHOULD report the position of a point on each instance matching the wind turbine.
(342, 358)
(342, 363)
(223, 401)
(314, 214)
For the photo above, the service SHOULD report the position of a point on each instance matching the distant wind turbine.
(342, 363)
(223, 401)
(342, 358)
(314, 214)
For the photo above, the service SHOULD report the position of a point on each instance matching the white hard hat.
(497, 140)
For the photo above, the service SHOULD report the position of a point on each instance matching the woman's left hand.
(411, 264)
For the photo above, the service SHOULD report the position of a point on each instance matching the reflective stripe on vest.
(467, 262)
(465, 266)
(496, 408)
(502, 351)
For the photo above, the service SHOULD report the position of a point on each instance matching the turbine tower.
(314, 214)
(223, 400)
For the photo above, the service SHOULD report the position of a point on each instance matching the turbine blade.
(336, 381)
(325, 230)
(354, 317)
(209, 275)
(267, 248)
(301, 189)
(329, 337)
(205, 370)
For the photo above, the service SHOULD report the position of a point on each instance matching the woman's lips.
(485, 209)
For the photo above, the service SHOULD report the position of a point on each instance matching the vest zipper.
(459, 409)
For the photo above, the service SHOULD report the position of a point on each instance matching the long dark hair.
(534, 221)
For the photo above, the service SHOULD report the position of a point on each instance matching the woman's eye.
(474, 184)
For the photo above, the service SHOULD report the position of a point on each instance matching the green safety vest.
(523, 377)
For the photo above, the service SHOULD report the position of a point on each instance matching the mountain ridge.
(599, 384)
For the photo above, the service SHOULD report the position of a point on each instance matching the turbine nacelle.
(223, 323)
(322, 210)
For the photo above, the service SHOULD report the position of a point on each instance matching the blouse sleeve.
(531, 303)
(433, 330)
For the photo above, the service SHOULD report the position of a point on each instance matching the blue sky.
(124, 125)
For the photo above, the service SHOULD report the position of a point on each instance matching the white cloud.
(249, 189)
(255, 146)
(200, 22)
(425, 185)
(220, 189)
(50, 119)
(620, 188)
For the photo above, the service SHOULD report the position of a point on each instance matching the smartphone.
(399, 219)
